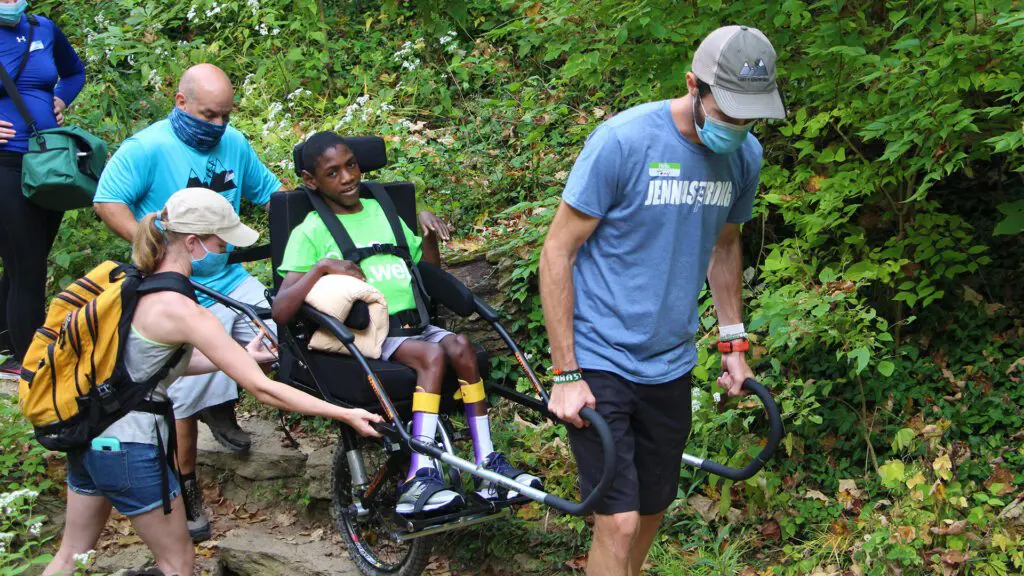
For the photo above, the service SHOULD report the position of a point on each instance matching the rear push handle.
(250, 311)
(775, 432)
(588, 414)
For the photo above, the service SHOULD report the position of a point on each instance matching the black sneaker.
(496, 462)
(225, 428)
(426, 492)
(198, 521)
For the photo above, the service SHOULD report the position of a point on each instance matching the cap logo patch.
(758, 73)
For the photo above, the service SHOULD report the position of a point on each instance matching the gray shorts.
(192, 394)
(431, 334)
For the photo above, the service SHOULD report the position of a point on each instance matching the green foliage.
(23, 466)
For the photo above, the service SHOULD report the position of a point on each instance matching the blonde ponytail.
(150, 244)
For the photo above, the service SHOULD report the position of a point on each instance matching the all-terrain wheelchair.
(366, 471)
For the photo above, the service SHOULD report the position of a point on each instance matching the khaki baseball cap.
(738, 62)
(201, 211)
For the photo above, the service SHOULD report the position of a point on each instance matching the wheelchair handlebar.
(249, 311)
(775, 433)
(586, 506)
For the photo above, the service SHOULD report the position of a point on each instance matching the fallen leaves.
(771, 530)
(817, 495)
(951, 528)
(943, 467)
(1000, 482)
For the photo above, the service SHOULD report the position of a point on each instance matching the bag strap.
(401, 249)
(10, 83)
(167, 282)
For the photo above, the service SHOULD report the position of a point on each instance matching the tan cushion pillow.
(334, 295)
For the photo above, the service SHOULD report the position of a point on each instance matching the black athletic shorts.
(650, 424)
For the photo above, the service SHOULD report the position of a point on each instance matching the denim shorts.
(130, 477)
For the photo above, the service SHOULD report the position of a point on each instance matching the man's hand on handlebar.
(734, 372)
(568, 399)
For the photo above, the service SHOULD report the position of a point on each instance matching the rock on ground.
(268, 459)
(250, 551)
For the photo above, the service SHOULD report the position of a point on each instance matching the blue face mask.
(10, 14)
(197, 133)
(720, 137)
(210, 264)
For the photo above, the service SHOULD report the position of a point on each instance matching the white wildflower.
(254, 5)
(363, 99)
(263, 29)
(191, 14)
(82, 561)
(214, 10)
(275, 31)
(298, 93)
(273, 110)
(385, 107)
(34, 529)
(411, 64)
(154, 79)
(717, 397)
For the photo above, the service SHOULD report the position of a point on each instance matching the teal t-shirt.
(311, 241)
(154, 164)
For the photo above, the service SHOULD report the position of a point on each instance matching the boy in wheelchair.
(330, 169)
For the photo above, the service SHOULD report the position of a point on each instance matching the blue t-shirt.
(154, 164)
(662, 201)
(53, 69)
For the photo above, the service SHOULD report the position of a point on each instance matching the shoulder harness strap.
(401, 323)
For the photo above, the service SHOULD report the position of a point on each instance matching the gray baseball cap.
(738, 62)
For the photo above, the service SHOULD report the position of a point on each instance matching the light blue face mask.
(210, 264)
(720, 137)
(10, 14)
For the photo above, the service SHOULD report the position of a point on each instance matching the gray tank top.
(143, 358)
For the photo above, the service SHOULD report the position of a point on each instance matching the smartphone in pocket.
(106, 444)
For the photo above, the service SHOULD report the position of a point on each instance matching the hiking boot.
(426, 492)
(198, 521)
(10, 369)
(496, 462)
(224, 427)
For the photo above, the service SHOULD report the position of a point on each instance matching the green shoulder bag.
(62, 167)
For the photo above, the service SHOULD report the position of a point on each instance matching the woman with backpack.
(49, 75)
(124, 468)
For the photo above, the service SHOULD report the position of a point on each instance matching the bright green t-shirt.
(311, 241)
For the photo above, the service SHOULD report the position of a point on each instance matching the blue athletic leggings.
(27, 233)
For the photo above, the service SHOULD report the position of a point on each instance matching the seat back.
(289, 209)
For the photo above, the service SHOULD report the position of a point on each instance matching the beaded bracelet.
(560, 377)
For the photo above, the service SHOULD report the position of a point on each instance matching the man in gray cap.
(653, 206)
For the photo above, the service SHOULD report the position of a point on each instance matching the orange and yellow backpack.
(74, 383)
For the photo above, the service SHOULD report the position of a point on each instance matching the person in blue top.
(652, 207)
(51, 78)
(194, 147)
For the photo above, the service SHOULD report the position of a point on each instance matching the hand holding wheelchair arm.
(296, 286)
(199, 327)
